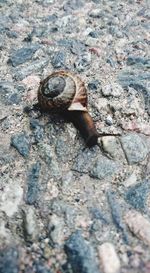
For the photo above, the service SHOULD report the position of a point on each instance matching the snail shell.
(65, 92)
(62, 91)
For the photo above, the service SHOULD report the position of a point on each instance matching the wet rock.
(56, 229)
(134, 147)
(30, 226)
(103, 167)
(58, 60)
(22, 55)
(77, 47)
(109, 259)
(117, 214)
(114, 90)
(9, 260)
(136, 195)
(32, 184)
(21, 143)
(83, 62)
(80, 254)
(139, 226)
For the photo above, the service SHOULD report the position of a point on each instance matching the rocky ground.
(65, 208)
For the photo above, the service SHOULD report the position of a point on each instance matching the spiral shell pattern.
(62, 91)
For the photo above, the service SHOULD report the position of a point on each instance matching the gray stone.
(32, 184)
(22, 55)
(58, 60)
(114, 90)
(138, 82)
(93, 85)
(136, 195)
(38, 129)
(56, 229)
(117, 214)
(103, 167)
(9, 260)
(132, 60)
(47, 154)
(93, 34)
(96, 13)
(32, 68)
(83, 62)
(21, 143)
(39, 267)
(73, 5)
(81, 254)
(111, 145)
(109, 120)
(134, 147)
(30, 226)
(77, 47)
(85, 159)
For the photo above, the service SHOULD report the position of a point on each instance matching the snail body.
(64, 92)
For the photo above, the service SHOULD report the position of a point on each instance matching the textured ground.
(65, 208)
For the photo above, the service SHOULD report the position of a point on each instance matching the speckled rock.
(139, 225)
(39, 267)
(136, 195)
(30, 225)
(22, 55)
(109, 259)
(116, 213)
(58, 60)
(21, 143)
(83, 62)
(9, 261)
(103, 167)
(114, 90)
(134, 148)
(81, 254)
(56, 229)
(32, 184)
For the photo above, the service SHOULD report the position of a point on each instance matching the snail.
(65, 92)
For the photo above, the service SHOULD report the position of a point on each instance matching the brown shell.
(73, 98)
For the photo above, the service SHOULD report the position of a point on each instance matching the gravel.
(59, 200)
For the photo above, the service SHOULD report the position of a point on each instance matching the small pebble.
(109, 260)
(21, 143)
(58, 60)
(30, 225)
(109, 120)
(139, 225)
(22, 55)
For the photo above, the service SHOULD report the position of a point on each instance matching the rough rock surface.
(52, 185)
